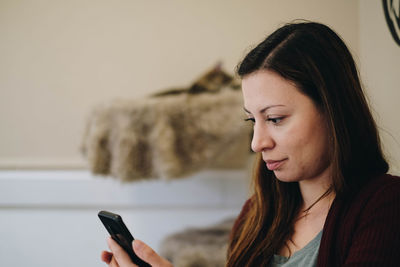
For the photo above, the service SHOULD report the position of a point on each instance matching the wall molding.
(42, 164)
(81, 190)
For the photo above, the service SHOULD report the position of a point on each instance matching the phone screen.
(120, 233)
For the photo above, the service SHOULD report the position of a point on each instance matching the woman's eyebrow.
(264, 109)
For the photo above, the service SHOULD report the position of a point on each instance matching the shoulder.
(378, 200)
(381, 192)
(363, 222)
(380, 188)
(380, 197)
(385, 180)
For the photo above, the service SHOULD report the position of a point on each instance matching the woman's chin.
(284, 177)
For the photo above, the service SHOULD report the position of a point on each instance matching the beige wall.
(380, 70)
(60, 58)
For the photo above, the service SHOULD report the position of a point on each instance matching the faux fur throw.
(198, 247)
(168, 136)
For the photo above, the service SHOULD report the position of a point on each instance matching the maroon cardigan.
(362, 229)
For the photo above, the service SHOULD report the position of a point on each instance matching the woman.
(321, 193)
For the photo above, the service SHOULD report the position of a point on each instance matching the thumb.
(148, 255)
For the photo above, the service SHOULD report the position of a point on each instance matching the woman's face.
(289, 131)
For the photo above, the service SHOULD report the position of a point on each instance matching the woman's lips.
(274, 164)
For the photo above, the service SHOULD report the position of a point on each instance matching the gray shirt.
(305, 257)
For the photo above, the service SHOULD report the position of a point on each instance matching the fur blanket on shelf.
(169, 135)
(198, 247)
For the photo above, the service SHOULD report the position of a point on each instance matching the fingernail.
(137, 245)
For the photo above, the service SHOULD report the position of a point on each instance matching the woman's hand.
(119, 258)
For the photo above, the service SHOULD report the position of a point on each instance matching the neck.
(313, 190)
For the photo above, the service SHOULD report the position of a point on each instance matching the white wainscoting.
(49, 218)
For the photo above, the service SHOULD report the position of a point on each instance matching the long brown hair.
(312, 56)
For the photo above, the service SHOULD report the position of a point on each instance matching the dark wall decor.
(392, 15)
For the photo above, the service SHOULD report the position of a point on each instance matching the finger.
(147, 254)
(106, 256)
(119, 254)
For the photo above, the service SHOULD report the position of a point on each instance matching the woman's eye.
(250, 119)
(275, 120)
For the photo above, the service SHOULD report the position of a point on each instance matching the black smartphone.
(120, 233)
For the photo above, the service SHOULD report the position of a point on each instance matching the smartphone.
(120, 233)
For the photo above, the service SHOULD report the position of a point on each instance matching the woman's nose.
(262, 140)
